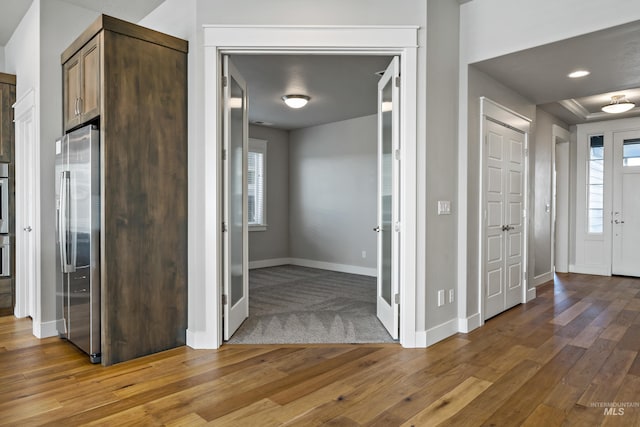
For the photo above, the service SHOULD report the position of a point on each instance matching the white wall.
(22, 53)
(273, 243)
(497, 27)
(332, 192)
(33, 54)
(2, 64)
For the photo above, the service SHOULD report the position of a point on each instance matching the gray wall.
(333, 187)
(543, 146)
(440, 151)
(480, 84)
(274, 242)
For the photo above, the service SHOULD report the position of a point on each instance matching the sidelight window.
(256, 184)
(631, 152)
(595, 201)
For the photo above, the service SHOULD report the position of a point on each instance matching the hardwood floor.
(570, 357)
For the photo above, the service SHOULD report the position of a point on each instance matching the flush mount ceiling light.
(578, 73)
(618, 104)
(296, 101)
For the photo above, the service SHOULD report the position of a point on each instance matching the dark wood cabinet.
(81, 74)
(7, 143)
(141, 109)
(7, 99)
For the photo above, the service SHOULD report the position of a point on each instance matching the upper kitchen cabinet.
(7, 99)
(81, 74)
(131, 82)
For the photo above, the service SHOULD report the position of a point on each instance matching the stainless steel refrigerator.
(77, 181)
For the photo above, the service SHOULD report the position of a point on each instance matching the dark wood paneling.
(144, 148)
(105, 22)
(8, 78)
(7, 99)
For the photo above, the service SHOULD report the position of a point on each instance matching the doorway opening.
(221, 40)
(312, 200)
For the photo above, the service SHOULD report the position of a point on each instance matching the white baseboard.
(343, 268)
(200, 340)
(470, 323)
(437, 333)
(531, 294)
(542, 278)
(263, 263)
(45, 329)
(589, 269)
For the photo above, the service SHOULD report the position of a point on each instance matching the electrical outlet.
(452, 296)
(364, 254)
(441, 298)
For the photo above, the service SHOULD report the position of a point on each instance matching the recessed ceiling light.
(618, 104)
(296, 101)
(578, 73)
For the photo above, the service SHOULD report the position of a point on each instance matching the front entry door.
(504, 208)
(387, 307)
(626, 204)
(236, 274)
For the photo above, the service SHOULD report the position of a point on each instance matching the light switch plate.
(440, 298)
(444, 207)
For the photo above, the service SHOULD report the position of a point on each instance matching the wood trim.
(8, 78)
(109, 23)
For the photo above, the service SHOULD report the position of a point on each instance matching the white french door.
(235, 241)
(504, 160)
(626, 204)
(387, 307)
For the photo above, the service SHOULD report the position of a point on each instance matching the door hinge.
(225, 81)
(396, 298)
(224, 154)
(397, 154)
(396, 227)
(524, 213)
(398, 81)
(526, 152)
(224, 299)
(224, 227)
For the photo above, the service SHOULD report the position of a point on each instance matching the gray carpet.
(290, 304)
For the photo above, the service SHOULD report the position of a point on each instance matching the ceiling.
(540, 74)
(130, 10)
(341, 87)
(344, 87)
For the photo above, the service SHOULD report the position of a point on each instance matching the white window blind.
(595, 186)
(257, 183)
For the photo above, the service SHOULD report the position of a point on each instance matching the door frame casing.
(27, 291)
(559, 136)
(337, 40)
(498, 113)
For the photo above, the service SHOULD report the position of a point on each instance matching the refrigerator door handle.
(64, 255)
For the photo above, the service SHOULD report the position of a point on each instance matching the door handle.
(377, 229)
(507, 228)
(28, 228)
(618, 221)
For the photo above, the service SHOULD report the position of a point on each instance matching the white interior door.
(236, 274)
(626, 204)
(504, 214)
(561, 204)
(26, 293)
(387, 307)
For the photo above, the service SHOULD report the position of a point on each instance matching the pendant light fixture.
(296, 101)
(618, 104)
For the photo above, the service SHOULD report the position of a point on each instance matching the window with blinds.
(256, 183)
